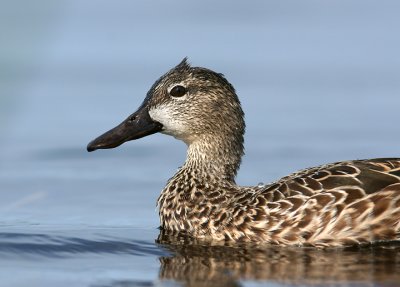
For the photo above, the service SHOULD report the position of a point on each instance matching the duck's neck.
(211, 164)
(216, 156)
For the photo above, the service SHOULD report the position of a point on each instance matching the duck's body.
(337, 204)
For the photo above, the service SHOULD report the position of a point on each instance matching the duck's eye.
(178, 91)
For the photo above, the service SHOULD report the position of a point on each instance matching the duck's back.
(334, 204)
(367, 176)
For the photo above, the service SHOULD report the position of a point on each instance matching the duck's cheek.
(171, 122)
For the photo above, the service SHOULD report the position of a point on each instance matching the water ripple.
(21, 244)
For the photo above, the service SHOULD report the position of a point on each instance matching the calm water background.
(319, 82)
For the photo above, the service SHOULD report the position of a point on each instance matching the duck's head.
(189, 103)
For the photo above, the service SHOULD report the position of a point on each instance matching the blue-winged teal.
(343, 203)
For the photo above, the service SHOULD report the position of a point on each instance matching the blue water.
(319, 82)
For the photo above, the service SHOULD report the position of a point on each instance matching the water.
(319, 82)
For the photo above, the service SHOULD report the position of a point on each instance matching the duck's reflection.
(197, 264)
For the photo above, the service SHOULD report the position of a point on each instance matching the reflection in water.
(188, 262)
(196, 264)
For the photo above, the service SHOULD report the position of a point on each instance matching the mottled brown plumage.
(343, 203)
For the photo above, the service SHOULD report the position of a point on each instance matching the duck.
(352, 202)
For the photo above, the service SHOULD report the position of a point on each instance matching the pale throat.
(217, 153)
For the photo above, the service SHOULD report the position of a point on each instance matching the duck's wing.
(336, 204)
(359, 177)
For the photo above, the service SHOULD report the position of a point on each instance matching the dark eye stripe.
(178, 91)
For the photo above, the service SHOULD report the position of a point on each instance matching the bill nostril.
(132, 118)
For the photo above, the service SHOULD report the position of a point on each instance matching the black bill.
(136, 126)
